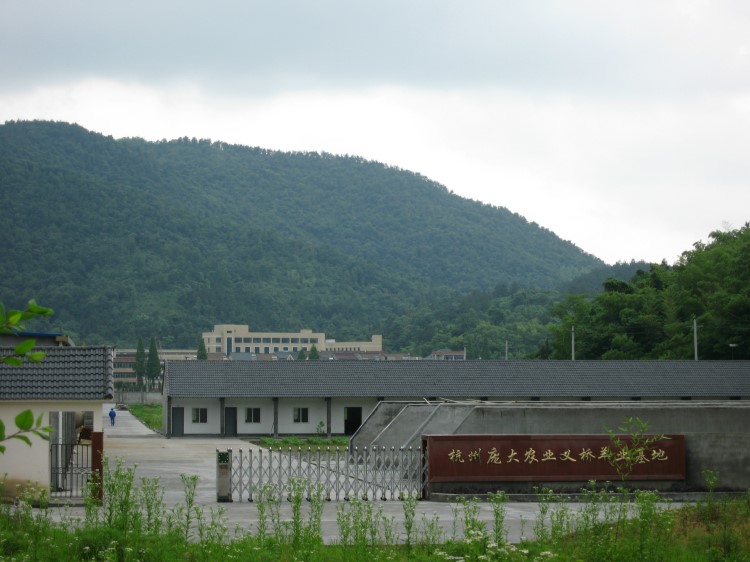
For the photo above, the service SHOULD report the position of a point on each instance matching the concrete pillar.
(276, 418)
(168, 420)
(328, 417)
(222, 429)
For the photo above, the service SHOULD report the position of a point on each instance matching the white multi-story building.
(237, 338)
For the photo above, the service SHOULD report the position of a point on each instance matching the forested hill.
(125, 237)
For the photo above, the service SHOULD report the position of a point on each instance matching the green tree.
(153, 365)
(301, 356)
(11, 323)
(313, 355)
(651, 316)
(140, 363)
(485, 341)
(25, 424)
(202, 353)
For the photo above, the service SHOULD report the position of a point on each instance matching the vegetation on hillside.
(137, 239)
(653, 316)
(133, 239)
(640, 311)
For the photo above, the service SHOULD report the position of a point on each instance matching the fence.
(342, 474)
(70, 469)
(137, 397)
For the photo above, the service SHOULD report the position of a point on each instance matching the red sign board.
(489, 458)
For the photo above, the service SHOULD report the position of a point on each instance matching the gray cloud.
(622, 126)
(248, 47)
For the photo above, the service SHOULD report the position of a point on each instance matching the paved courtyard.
(153, 456)
(134, 445)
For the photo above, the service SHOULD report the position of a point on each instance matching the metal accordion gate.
(375, 473)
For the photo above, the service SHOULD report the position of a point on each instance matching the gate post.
(97, 462)
(224, 475)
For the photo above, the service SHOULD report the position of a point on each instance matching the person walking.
(112, 415)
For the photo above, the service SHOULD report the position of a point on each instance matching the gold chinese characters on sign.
(532, 455)
(550, 457)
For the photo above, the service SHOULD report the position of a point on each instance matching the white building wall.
(316, 413)
(22, 465)
(339, 404)
(265, 427)
(213, 421)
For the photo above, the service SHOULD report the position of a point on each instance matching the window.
(218, 340)
(284, 340)
(275, 340)
(252, 415)
(200, 415)
(300, 415)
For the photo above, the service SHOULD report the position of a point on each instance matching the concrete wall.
(398, 430)
(717, 434)
(133, 397)
(380, 416)
(446, 419)
(414, 420)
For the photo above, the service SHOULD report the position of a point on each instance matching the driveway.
(132, 443)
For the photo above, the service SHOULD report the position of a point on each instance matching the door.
(178, 421)
(230, 422)
(352, 419)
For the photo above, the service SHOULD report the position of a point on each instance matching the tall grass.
(149, 414)
(132, 523)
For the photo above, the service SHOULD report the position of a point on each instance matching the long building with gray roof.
(305, 397)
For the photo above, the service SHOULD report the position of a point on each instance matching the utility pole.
(572, 343)
(695, 337)
(506, 350)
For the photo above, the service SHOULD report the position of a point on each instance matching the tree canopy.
(170, 238)
(653, 315)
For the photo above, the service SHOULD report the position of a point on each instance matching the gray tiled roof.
(66, 373)
(458, 378)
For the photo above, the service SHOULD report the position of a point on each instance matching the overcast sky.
(623, 127)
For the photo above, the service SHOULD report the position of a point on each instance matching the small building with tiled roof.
(67, 389)
(447, 355)
(231, 398)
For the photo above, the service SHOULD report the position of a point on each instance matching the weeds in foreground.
(132, 523)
